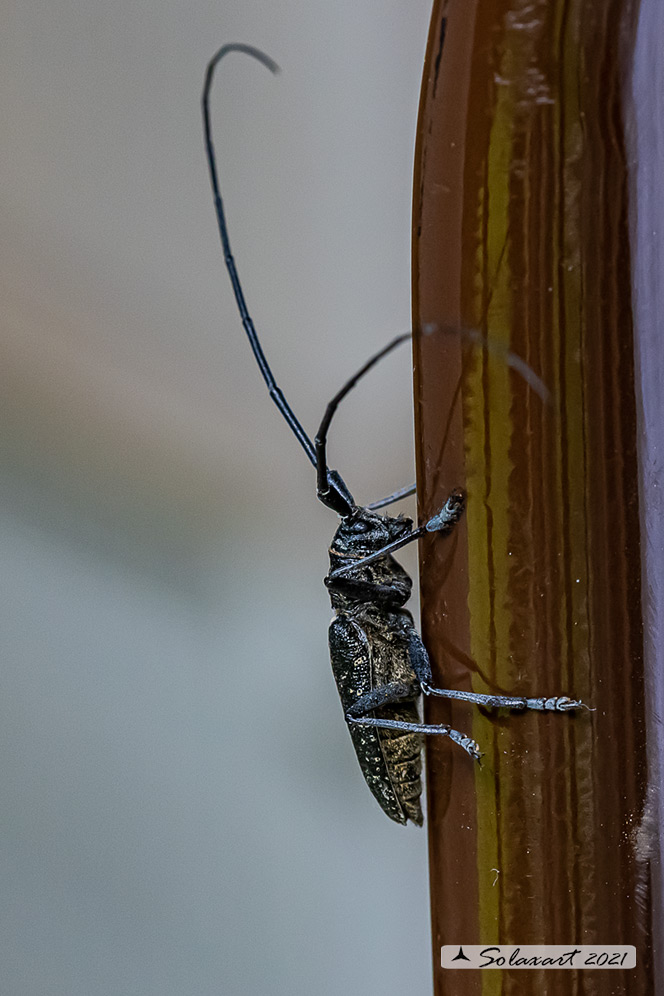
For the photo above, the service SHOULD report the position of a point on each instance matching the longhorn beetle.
(379, 661)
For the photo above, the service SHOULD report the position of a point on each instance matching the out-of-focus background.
(182, 811)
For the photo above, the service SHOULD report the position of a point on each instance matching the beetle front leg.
(442, 522)
(445, 520)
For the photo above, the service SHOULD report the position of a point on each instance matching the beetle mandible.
(379, 661)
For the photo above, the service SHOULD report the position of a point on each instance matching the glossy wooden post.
(525, 231)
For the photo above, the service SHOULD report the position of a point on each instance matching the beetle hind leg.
(467, 743)
(392, 694)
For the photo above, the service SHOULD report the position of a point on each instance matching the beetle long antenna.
(275, 392)
(321, 435)
(472, 335)
(499, 350)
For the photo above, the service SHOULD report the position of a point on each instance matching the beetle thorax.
(383, 580)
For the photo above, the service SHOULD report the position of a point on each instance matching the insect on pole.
(380, 664)
(524, 230)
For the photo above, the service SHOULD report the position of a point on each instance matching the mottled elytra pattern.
(366, 643)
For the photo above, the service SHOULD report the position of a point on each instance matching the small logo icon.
(461, 956)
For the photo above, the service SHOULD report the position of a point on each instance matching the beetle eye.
(361, 526)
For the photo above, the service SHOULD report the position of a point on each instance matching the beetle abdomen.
(403, 756)
(391, 762)
(364, 659)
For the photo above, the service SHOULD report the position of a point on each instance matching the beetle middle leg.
(392, 694)
(419, 660)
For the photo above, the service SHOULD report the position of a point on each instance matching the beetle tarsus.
(445, 520)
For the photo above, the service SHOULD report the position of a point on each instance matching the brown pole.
(526, 232)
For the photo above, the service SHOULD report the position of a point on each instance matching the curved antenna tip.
(275, 393)
(255, 53)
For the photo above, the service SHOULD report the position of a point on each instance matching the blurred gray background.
(182, 811)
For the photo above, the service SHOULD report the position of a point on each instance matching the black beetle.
(379, 661)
